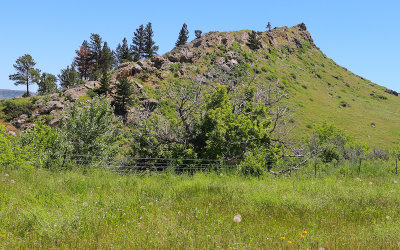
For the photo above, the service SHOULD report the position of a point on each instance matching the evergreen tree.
(83, 60)
(138, 43)
(197, 33)
(69, 77)
(253, 42)
(150, 49)
(104, 83)
(26, 74)
(269, 26)
(122, 97)
(183, 36)
(123, 53)
(95, 47)
(106, 60)
(47, 84)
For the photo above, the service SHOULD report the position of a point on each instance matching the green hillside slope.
(319, 89)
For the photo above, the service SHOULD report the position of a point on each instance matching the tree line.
(93, 60)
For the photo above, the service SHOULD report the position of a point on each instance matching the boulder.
(28, 126)
(80, 90)
(392, 92)
(23, 116)
(183, 55)
(159, 62)
(55, 121)
(123, 65)
(135, 69)
(50, 106)
(220, 61)
(18, 123)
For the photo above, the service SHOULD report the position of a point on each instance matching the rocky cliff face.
(157, 68)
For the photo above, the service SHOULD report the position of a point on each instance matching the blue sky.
(363, 36)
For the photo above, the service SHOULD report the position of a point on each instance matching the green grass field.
(100, 209)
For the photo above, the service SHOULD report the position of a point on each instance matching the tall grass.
(101, 209)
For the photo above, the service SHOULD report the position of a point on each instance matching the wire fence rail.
(129, 164)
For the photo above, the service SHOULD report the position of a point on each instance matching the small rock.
(55, 121)
(12, 133)
(19, 122)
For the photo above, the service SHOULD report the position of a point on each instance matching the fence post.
(359, 166)
(315, 169)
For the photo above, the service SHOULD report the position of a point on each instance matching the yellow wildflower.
(290, 242)
(301, 236)
(304, 231)
(3, 235)
(283, 237)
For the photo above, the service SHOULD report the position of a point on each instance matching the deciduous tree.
(47, 84)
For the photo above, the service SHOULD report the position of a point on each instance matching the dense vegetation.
(208, 141)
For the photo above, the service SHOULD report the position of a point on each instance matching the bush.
(14, 108)
(11, 154)
(87, 137)
(257, 162)
(45, 146)
(89, 134)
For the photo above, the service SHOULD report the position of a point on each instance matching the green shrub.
(257, 162)
(14, 108)
(11, 154)
(88, 137)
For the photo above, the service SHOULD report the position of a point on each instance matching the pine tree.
(138, 43)
(106, 60)
(47, 84)
(122, 97)
(183, 36)
(197, 33)
(69, 77)
(253, 42)
(95, 49)
(123, 53)
(269, 26)
(26, 74)
(150, 49)
(104, 83)
(83, 60)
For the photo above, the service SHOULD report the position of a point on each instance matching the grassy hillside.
(319, 89)
(44, 209)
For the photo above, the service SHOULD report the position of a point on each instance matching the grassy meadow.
(102, 209)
